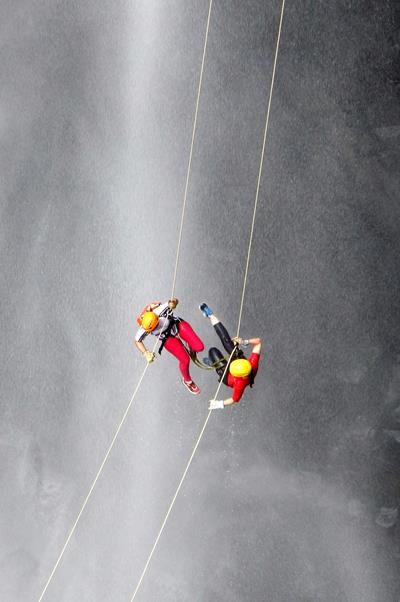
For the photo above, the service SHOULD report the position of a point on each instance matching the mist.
(293, 494)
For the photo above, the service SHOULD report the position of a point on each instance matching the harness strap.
(167, 332)
(218, 364)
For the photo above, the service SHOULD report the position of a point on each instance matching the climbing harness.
(212, 366)
(173, 325)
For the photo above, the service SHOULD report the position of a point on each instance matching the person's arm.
(160, 308)
(219, 404)
(153, 306)
(148, 355)
(256, 342)
(140, 346)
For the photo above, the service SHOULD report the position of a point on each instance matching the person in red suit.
(241, 371)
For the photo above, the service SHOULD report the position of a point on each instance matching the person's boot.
(191, 387)
(205, 310)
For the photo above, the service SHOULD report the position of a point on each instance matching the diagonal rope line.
(239, 322)
(261, 166)
(170, 508)
(179, 486)
(191, 149)
(88, 496)
(92, 487)
(100, 470)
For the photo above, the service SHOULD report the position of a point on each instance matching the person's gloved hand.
(172, 303)
(149, 356)
(216, 404)
(240, 341)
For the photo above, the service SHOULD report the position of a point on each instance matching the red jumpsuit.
(175, 346)
(171, 342)
(239, 383)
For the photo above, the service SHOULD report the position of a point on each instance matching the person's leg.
(216, 357)
(187, 333)
(176, 348)
(218, 326)
(223, 334)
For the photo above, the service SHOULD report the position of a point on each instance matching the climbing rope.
(191, 150)
(261, 165)
(153, 549)
(93, 485)
(240, 312)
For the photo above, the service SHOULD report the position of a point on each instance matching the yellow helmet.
(149, 321)
(240, 368)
